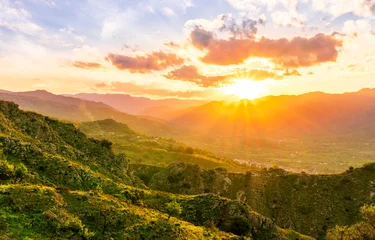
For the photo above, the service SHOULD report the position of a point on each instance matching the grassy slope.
(56, 183)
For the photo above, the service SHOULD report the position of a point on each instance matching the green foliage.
(368, 213)
(360, 230)
(6, 170)
(240, 226)
(159, 229)
(173, 209)
(106, 144)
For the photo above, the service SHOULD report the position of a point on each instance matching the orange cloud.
(155, 61)
(87, 65)
(191, 74)
(297, 52)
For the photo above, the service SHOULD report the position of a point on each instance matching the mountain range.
(139, 105)
(313, 132)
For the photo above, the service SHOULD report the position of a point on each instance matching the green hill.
(310, 204)
(58, 184)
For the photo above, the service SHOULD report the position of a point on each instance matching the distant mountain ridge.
(312, 114)
(138, 105)
(78, 110)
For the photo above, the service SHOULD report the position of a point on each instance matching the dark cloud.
(86, 65)
(191, 74)
(155, 61)
(337, 34)
(172, 44)
(294, 53)
(201, 38)
(246, 28)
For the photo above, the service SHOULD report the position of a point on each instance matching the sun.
(246, 88)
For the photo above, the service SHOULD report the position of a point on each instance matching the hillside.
(138, 105)
(310, 204)
(77, 110)
(154, 151)
(58, 184)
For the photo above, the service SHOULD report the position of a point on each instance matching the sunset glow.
(246, 88)
(187, 48)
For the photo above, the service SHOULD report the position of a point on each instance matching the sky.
(200, 49)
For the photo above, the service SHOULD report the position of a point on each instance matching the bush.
(20, 171)
(369, 166)
(240, 226)
(6, 170)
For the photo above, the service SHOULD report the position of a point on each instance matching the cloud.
(251, 5)
(172, 44)
(17, 19)
(239, 28)
(296, 52)
(201, 38)
(168, 11)
(362, 8)
(291, 72)
(46, 2)
(154, 61)
(87, 65)
(191, 74)
(286, 18)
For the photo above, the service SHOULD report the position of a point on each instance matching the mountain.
(313, 114)
(78, 110)
(139, 105)
(55, 183)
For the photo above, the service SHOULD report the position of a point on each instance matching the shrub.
(20, 171)
(6, 170)
(240, 226)
(369, 166)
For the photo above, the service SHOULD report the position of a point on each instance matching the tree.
(189, 150)
(106, 144)
(173, 208)
(361, 230)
